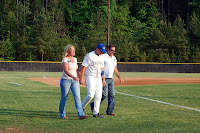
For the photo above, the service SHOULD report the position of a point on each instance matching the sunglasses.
(112, 50)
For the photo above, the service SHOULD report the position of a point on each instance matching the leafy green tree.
(150, 55)
(196, 56)
(158, 38)
(183, 56)
(79, 18)
(173, 38)
(119, 16)
(152, 16)
(98, 33)
(83, 53)
(179, 40)
(148, 14)
(135, 54)
(143, 57)
(195, 6)
(7, 50)
(123, 46)
(166, 56)
(137, 8)
(40, 29)
(173, 57)
(194, 31)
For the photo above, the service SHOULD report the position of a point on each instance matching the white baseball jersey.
(71, 66)
(109, 65)
(93, 64)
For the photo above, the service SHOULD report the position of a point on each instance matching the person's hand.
(104, 83)
(76, 79)
(121, 81)
(82, 81)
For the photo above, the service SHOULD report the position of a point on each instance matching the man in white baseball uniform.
(110, 67)
(92, 67)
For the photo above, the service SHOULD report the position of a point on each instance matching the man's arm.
(82, 74)
(103, 77)
(117, 74)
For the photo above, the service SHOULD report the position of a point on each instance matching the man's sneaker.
(92, 108)
(83, 117)
(98, 116)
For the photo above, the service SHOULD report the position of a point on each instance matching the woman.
(69, 80)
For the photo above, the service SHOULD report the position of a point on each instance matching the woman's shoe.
(63, 117)
(83, 117)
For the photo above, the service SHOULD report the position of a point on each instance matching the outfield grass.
(33, 106)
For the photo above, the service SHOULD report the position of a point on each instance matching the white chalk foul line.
(159, 101)
(15, 83)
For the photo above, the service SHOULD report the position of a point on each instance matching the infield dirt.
(55, 81)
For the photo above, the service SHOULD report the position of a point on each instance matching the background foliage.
(141, 30)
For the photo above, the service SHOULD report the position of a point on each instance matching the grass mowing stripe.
(158, 101)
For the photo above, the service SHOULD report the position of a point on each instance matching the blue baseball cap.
(101, 47)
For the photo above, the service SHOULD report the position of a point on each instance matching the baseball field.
(145, 103)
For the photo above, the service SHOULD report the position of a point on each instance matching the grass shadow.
(32, 114)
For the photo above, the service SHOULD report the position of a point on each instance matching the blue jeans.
(65, 85)
(108, 91)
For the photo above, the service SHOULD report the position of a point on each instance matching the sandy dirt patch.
(55, 81)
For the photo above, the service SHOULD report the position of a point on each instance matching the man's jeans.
(108, 91)
(65, 85)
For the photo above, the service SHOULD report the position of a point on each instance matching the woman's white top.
(72, 67)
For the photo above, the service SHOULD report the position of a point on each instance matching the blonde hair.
(67, 49)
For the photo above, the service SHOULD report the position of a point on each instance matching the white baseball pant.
(94, 89)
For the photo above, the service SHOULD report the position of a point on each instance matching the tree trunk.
(2, 3)
(2, 10)
(168, 18)
(24, 14)
(188, 13)
(17, 13)
(108, 22)
(70, 3)
(161, 11)
(42, 56)
(46, 6)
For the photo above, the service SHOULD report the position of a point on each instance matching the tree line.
(142, 30)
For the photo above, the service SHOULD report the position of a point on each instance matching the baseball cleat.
(98, 116)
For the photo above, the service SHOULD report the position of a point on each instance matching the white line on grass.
(15, 83)
(158, 101)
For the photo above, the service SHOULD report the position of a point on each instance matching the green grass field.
(31, 106)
